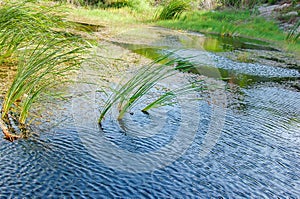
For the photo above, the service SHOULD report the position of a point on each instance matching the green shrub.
(173, 9)
(134, 4)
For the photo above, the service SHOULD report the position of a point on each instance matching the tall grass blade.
(40, 68)
(34, 36)
(168, 97)
(172, 9)
(128, 95)
(293, 34)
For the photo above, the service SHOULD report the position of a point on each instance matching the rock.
(266, 10)
(271, 11)
(283, 6)
(290, 14)
(278, 12)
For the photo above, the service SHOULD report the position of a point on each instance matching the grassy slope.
(110, 16)
(232, 22)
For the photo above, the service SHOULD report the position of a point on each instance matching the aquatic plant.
(130, 93)
(23, 21)
(40, 68)
(172, 9)
(44, 53)
(168, 97)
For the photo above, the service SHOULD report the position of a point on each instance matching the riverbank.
(234, 23)
(230, 22)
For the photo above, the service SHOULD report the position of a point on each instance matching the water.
(241, 141)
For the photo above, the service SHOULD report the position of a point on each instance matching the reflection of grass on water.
(45, 56)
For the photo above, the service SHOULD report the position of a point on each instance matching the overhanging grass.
(231, 23)
(21, 22)
(45, 55)
(40, 68)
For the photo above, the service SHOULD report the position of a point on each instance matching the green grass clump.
(40, 68)
(172, 9)
(293, 35)
(130, 93)
(34, 36)
(21, 22)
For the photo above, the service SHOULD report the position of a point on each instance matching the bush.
(173, 9)
(135, 4)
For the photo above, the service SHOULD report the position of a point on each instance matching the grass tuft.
(293, 35)
(172, 9)
(45, 55)
(130, 93)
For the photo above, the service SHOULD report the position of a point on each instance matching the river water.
(241, 141)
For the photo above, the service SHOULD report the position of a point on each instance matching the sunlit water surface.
(256, 154)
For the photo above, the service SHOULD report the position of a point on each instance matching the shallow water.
(241, 141)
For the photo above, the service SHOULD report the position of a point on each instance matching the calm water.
(241, 141)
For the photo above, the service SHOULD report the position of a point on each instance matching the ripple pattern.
(257, 156)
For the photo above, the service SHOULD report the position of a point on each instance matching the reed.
(131, 93)
(22, 21)
(39, 68)
(168, 97)
(172, 9)
(45, 56)
(293, 34)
